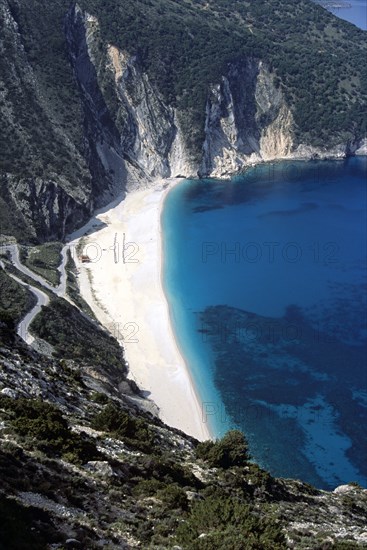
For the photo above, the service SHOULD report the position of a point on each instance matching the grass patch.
(44, 260)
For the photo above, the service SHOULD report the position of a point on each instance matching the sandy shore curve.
(123, 286)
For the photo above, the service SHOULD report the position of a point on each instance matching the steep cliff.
(142, 131)
(97, 100)
(247, 117)
(45, 187)
(247, 120)
(51, 175)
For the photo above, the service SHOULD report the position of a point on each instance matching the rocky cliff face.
(139, 136)
(38, 205)
(46, 208)
(247, 120)
(101, 127)
(132, 130)
(104, 152)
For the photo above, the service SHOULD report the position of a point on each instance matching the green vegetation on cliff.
(42, 426)
(15, 299)
(44, 260)
(75, 336)
(40, 109)
(185, 47)
(60, 111)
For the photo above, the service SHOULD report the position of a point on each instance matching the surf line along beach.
(120, 278)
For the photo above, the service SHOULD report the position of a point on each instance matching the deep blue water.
(266, 280)
(356, 13)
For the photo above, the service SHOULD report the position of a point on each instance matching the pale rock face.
(247, 121)
(9, 392)
(362, 148)
(343, 489)
(309, 152)
(91, 34)
(235, 136)
(276, 139)
(150, 134)
(100, 467)
(178, 158)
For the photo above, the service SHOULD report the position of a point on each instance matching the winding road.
(59, 290)
(42, 300)
(42, 297)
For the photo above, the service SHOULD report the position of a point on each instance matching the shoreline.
(179, 403)
(123, 285)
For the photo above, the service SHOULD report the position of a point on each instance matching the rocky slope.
(247, 117)
(85, 461)
(96, 100)
(83, 466)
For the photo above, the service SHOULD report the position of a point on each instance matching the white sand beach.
(123, 287)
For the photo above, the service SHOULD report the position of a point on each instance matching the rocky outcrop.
(115, 498)
(47, 207)
(247, 120)
(132, 134)
(103, 151)
(38, 207)
(124, 134)
(361, 148)
(136, 132)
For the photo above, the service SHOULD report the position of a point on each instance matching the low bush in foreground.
(224, 522)
(134, 431)
(43, 425)
(231, 450)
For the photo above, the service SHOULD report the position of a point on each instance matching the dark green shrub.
(148, 487)
(228, 523)
(259, 477)
(231, 450)
(173, 497)
(39, 420)
(79, 449)
(45, 427)
(113, 419)
(169, 471)
(134, 431)
(100, 398)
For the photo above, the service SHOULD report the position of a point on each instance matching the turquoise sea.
(266, 277)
